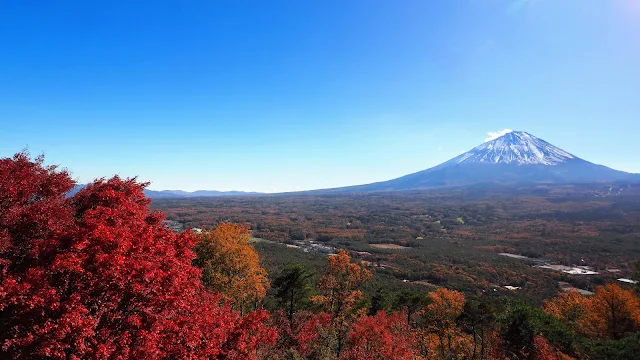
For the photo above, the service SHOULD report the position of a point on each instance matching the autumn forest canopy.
(99, 275)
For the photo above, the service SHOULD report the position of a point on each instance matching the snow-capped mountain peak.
(515, 157)
(517, 148)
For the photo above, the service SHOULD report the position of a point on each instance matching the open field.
(389, 246)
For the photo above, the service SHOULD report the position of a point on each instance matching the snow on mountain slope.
(516, 147)
(514, 158)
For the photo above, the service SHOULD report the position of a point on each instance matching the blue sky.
(291, 95)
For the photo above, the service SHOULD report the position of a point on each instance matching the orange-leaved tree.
(339, 286)
(339, 294)
(440, 336)
(231, 266)
(572, 307)
(612, 312)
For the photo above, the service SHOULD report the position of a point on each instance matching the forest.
(108, 274)
(450, 237)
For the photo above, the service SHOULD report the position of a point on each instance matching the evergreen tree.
(293, 288)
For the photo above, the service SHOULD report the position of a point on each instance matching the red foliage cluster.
(98, 276)
(380, 337)
(299, 338)
(543, 351)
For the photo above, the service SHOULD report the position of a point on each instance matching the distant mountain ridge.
(197, 193)
(174, 194)
(514, 158)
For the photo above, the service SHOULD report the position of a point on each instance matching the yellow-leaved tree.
(231, 266)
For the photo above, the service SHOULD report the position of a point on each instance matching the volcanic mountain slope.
(514, 158)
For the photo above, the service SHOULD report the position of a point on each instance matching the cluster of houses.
(311, 246)
(573, 270)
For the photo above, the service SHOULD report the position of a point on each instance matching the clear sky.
(292, 95)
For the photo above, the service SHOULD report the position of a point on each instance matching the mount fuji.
(515, 147)
(514, 158)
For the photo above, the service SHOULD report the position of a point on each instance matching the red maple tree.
(380, 337)
(98, 276)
